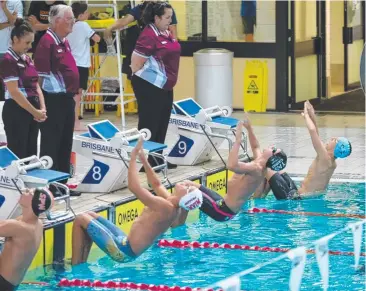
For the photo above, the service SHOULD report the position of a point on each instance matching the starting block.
(201, 132)
(105, 144)
(17, 174)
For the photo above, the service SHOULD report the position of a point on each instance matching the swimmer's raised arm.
(233, 160)
(152, 178)
(311, 113)
(315, 138)
(134, 185)
(254, 144)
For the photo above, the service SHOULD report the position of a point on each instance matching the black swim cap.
(277, 162)
(42, 200)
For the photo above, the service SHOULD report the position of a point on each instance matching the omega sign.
(128, 215)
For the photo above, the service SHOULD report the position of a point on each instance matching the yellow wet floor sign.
(256, 86)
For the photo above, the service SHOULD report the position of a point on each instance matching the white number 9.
(182, 146)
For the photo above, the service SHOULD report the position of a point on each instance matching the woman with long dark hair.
(155, 65)
(24, 104)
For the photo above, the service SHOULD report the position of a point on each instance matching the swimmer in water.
(246, 178)
(22, 237)
(160, 213)
(320, 171)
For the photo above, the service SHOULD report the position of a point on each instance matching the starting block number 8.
(97, 173)
(182, 147)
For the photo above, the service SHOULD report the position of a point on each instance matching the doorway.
(336, 56)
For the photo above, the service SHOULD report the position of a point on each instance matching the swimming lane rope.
(183, 244)
(264, 210)
(115, 285)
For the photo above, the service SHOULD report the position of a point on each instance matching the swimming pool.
(202, 267)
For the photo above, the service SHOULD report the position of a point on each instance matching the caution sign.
(217, 182)
(127, 213)
(255, 86)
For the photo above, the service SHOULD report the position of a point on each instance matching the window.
(189, 18)
(239, 21)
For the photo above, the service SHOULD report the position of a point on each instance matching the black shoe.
(172, 166)
(74, 193)
(55, 191)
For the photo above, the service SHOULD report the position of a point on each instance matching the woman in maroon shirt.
(155, 65)
(24, 104)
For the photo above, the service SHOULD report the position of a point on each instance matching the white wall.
(266, 21)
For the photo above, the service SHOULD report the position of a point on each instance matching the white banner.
(322, 257)
(298, 258)
(230, 284)
(357, 238)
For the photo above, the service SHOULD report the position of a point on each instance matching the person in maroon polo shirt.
(59, 76)
(155, 65)
(24, 107)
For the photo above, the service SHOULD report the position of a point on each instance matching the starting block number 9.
(182, 146)
(97, 173)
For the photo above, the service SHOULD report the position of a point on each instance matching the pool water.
(202, 267)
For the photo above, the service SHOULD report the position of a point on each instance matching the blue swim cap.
(343, 148)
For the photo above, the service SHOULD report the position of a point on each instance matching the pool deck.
(286, 131)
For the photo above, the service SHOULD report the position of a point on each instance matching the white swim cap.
(191, 200)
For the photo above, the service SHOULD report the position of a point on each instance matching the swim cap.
(42, 201)
(343, 148)
(278, 161)
(191, 200)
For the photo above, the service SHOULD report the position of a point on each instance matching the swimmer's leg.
(271, 173)
(81, 242)
(262, 190)
(114, 229)
(101, 236)
(280, 185)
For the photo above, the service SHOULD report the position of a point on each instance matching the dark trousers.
(20, 128)
(57, 131)
(2, 87)
(154, 108)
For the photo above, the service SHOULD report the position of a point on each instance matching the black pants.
(20, 127)
(57, 131)
(154, 108)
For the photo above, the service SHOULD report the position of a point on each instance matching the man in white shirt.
(10, 10)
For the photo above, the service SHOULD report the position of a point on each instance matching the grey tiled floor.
(287, 131)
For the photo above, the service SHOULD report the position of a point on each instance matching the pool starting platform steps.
(110, 149)
(201, 132)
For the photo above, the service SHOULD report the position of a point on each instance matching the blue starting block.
(102, 143)
(201, 131)
(29, 172)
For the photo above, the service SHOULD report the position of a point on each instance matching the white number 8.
(182, 146)
(96, 173)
